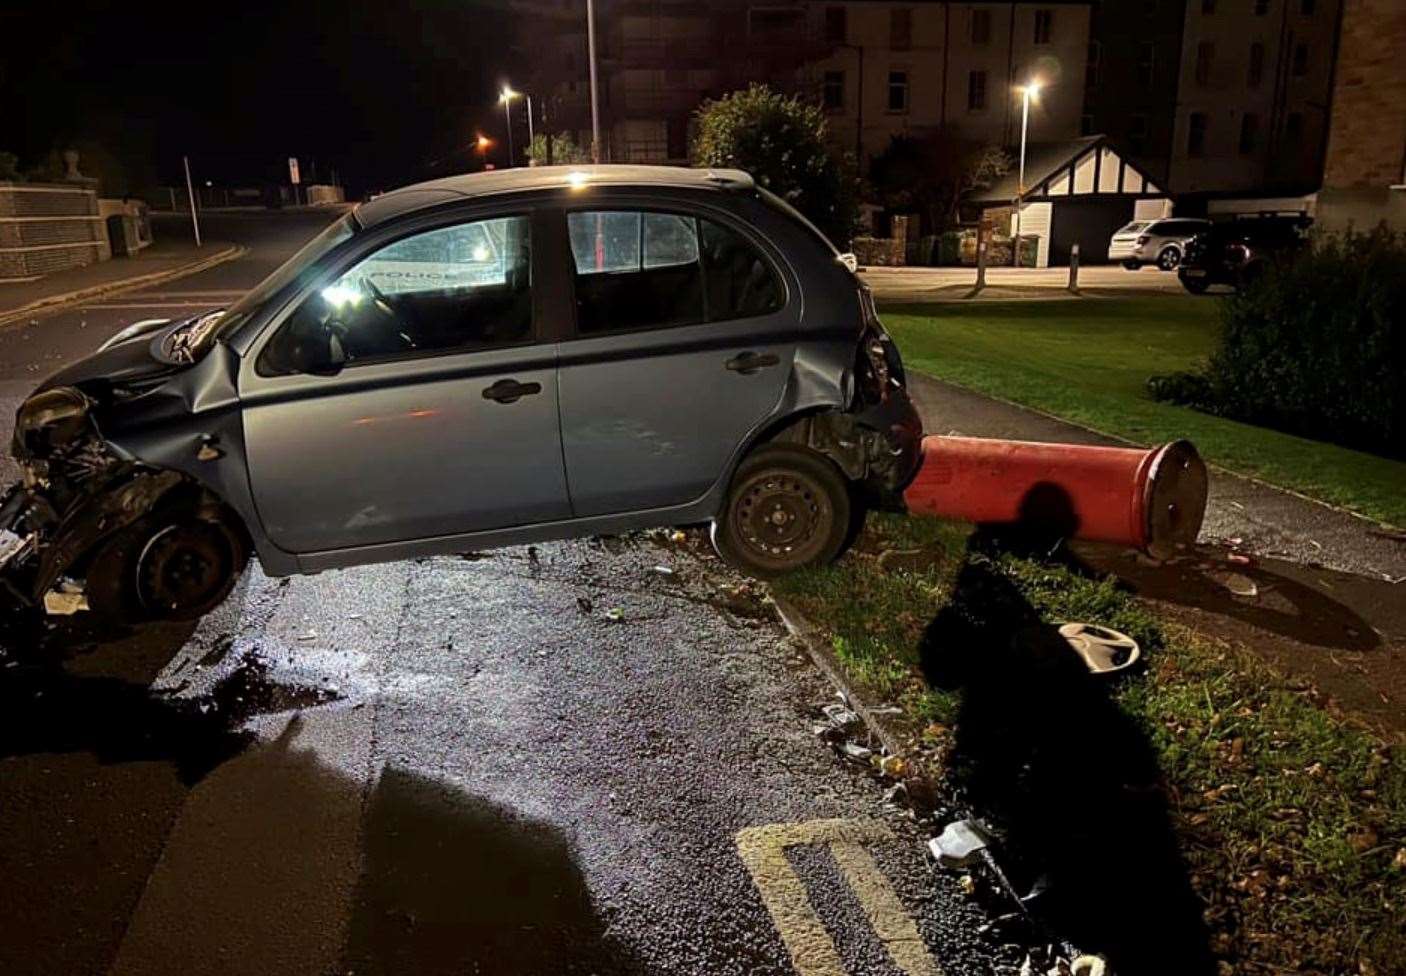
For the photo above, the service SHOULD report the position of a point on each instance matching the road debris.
(1102, 649)
(857, 753)
(1241, 585)
(961, 844)
(615, 615)
(662, 571)
(840, 715)
(895, 767)
(584, 604)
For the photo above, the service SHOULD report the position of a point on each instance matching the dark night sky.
(375, 90)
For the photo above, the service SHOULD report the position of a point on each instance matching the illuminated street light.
(1029, 93)
(506, 96)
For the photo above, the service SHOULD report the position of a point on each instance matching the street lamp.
(1029, 93)
(506, 96)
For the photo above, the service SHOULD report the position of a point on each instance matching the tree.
(931, 175)
(565, 150)
(780, 140)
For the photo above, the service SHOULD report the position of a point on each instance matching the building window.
(981, 27)
(1249, 133)
(1147, 64)
(898, 91)
(1093, 72)
(1293, 129)
(1044, 26)
(1300, 59)
(1196, 134)
(1261, 7)
(1256, 72)
(1306, 7)
(901, 28)
(1208, 6)
(976, 91)
(1137, 133)
(833, 91)
(836, 25)
(1205, 54)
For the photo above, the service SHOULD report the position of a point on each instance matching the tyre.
(1197, 286)
(1169, 259)
(787, 508)
(1132, 265)
(171, 565)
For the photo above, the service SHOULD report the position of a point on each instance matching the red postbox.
(1153, 499)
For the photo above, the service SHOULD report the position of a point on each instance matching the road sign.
(293, 170)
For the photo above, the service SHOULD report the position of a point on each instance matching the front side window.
(637, 271)
(458, 288)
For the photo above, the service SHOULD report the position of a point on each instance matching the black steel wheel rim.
(183, 567)
(782, 517)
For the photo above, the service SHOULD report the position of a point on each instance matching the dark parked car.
(1238, 251)
(478, 361)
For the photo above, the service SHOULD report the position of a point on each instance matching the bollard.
(1074, 269)
(1152, 500)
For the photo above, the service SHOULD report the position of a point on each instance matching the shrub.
(780, 140)
(1316, 347)
(1184, 389)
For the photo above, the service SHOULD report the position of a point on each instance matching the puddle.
(250, 689)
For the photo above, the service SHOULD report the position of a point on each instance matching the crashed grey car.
(478, 361)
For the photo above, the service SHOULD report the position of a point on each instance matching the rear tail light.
(1143, 240)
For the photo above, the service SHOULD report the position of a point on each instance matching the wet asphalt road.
(536, 761)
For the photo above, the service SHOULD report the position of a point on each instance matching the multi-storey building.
(1216, 95)
(879, 68)
(915, 68)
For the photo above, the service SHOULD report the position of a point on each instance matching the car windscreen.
(240, 312)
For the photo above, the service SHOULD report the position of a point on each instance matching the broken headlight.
(49, 420)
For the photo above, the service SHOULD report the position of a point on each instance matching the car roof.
(469, 186)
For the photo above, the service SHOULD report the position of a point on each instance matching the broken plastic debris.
(855, 751)
(615, 614)
(968, 885)
(309, 636)
(1102, 648)
(1241, 585)
(961, 843)
(663, 570)
(1089, 966)
(677, 536)
(839, 715)
(64, 603)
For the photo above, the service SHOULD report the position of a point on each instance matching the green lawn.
(1089, 361)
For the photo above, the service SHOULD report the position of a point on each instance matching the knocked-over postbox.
(1153, 499)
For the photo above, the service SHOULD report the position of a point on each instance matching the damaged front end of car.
(91, 526)
(75, 493)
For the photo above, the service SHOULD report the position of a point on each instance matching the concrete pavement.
(896, 285)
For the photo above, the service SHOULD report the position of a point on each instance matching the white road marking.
(190, 304)
(813, 953)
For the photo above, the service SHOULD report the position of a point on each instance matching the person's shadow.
(1043, 751)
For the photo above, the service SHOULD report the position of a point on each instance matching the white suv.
(1158, 242)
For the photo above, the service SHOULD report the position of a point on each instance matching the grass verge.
(1089, 362)
(1285, 821)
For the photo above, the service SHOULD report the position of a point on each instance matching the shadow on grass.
(1044, 752)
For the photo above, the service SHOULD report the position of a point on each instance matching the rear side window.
(641, 270)
(1133, 227)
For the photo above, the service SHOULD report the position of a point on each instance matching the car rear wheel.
(787, 508)
(1168, 259)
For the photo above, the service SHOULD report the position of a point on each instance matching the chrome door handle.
(510, 391)
(749, 362)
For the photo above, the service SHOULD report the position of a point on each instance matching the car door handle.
(510, 391)
(749, 362)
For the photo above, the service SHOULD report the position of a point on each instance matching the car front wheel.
(787, 508)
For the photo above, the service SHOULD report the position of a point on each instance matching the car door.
(409, 395)
(682, 346)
